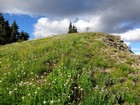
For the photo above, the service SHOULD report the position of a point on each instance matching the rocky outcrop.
(115, 41)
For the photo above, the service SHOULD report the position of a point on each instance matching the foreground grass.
(67, 70)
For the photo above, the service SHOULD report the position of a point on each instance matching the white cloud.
(92, 24)
(114, 17)
(46, 27)
(138, 53)
(128, 44)
(131, 35)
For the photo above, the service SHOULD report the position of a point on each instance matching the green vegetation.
(72, 69)
(10, 34)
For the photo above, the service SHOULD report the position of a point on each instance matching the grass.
(72, 69)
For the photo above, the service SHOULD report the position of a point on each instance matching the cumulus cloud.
(128, 44)
(131, 35)
(138, 53)
(46, 27)
(110, 16)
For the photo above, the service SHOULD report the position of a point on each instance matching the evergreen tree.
(4, 31)
(23, 36)
(14, 32)
(10, 34)
(72, 28)
(7, 29)
(2, 34)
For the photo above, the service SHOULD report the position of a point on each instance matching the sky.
(42, 18)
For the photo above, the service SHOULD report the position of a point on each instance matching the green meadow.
(70, 69)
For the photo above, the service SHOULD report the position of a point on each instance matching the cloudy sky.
(41, 18)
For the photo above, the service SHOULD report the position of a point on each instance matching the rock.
(115, 41)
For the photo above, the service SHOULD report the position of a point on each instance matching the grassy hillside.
(73, 69)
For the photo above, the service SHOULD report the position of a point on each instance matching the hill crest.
(82, 68)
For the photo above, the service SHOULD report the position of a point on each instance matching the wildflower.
(69, 76)
(23, 97)
(44, 102)
(15, 89)
(30, 83)
(81, 89)
(41, 76)
(45, 80)
(65, 84)
(53, 82)
(58, 100)
(29, 94)
(96, 87)
(35, 92)
(31, 72)
(75, 87)
(10, 92)
(45, 73)
(51, 102)
(0, 81)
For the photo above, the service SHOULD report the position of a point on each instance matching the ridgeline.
(71, 69)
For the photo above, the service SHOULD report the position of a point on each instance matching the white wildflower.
(44, 102)
(23, 97)
(10, 92)
(35, 92)
(51, 102)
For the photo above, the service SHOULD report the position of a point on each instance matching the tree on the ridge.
(5, 32)
(9, 34)
(23, 36)
(72, 28)
(14, 32)
(2, 33)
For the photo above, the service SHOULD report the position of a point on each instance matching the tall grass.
(64, 70)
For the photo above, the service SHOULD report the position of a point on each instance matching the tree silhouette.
(9, 34)
(72, 28)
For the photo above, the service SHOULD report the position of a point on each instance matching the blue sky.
(24, 22)
(42, 18)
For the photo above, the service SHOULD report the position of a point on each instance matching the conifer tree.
(72, 28)
(23, 36)
(14, 32)
(8, 32)
(3, 27)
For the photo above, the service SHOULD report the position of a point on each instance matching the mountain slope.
(83, 68)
